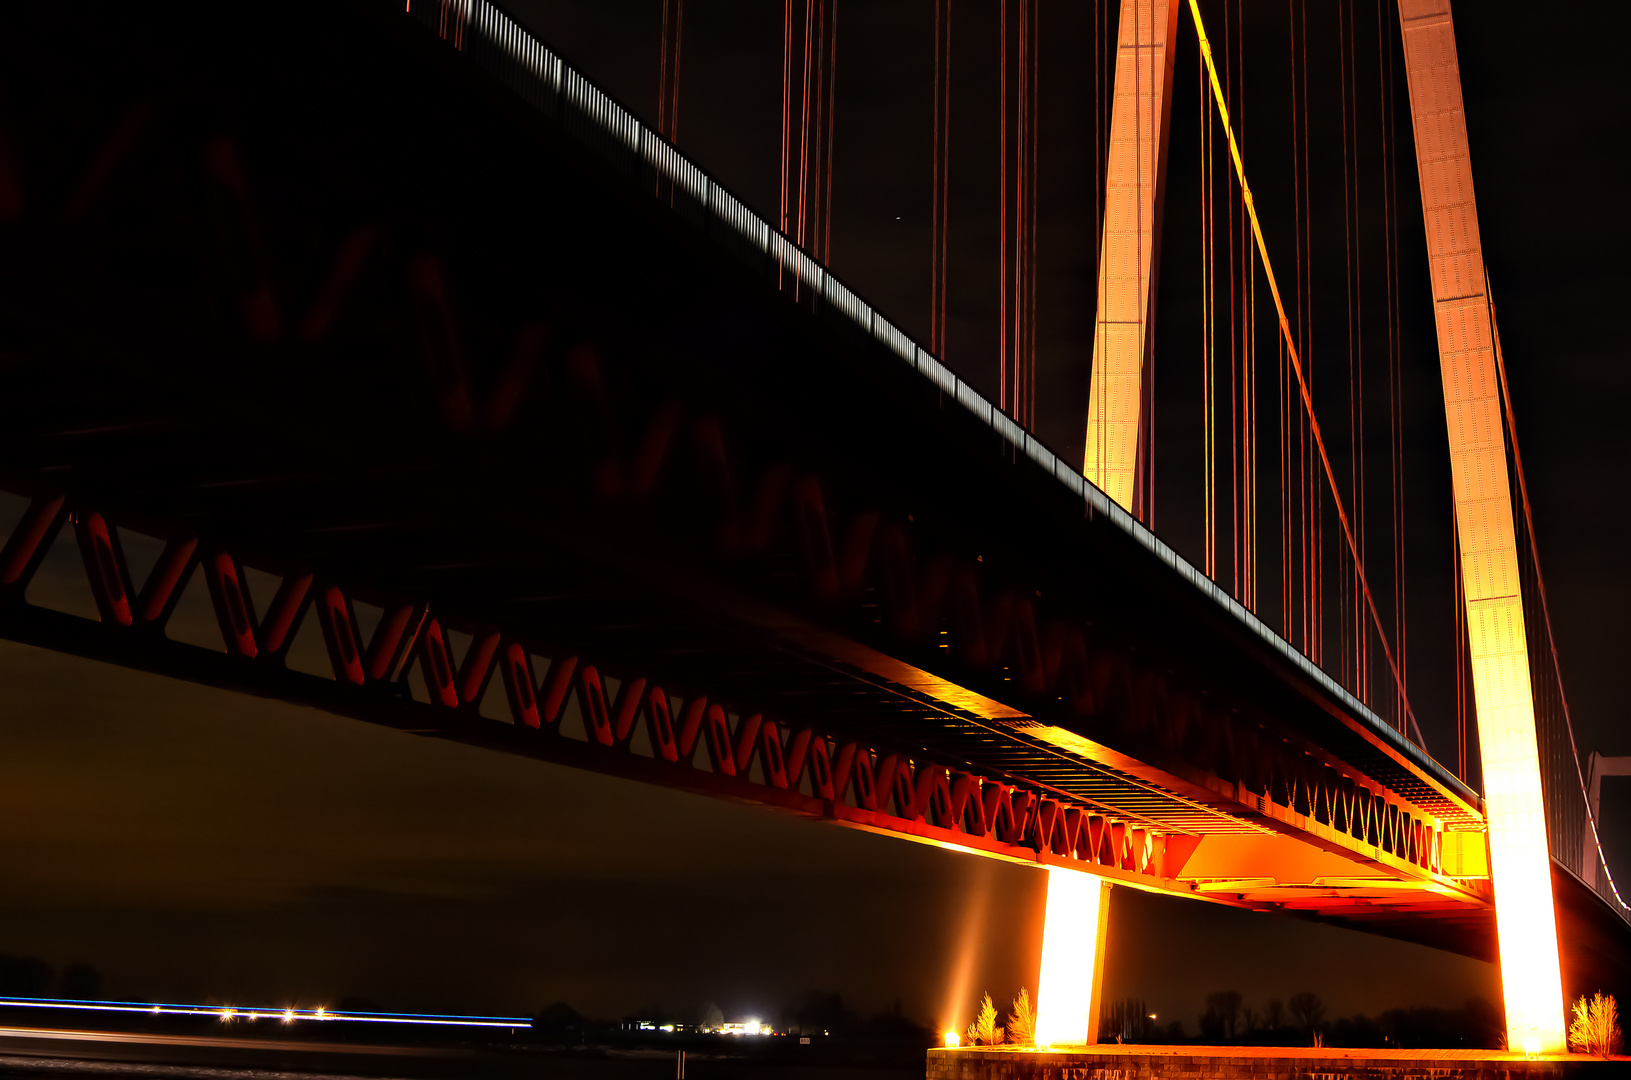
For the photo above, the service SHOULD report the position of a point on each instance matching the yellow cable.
(1291, 347)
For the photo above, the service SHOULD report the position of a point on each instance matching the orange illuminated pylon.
(1123, 331)
(1520, 862)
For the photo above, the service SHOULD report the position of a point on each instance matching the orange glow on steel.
(1291, 346)
(1064, 993)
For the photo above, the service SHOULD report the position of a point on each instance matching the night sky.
(196, 845)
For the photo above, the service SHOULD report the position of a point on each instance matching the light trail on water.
(288, 1015)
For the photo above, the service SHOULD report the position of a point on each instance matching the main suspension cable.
(1296, 362)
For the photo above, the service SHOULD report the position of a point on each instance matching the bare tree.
(1224, 1005)
(1127, 1020)
(1307, 1010)
(1275, 1015)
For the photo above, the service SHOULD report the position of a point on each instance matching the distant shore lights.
(745, 1027)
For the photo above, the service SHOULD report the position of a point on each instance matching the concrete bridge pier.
(1072, 970)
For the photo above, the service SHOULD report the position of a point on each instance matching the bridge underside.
(398, 370)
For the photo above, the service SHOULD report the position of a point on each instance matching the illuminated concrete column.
(1073, 938)
(1134, 177)
(1520, 863)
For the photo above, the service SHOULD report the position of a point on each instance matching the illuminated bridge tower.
(1525, 917)
(1124, 328)
(1526, 920)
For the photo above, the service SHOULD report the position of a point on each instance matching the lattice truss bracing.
(408, 672)
(694, 742)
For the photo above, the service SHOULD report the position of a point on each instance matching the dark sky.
(193, 844)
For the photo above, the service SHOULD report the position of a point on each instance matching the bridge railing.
(500, 46)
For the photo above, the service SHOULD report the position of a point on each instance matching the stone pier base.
(1260, 1063)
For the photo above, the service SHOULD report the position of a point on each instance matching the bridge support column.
(1073, 946)
(1520, 862)
(1134, 178)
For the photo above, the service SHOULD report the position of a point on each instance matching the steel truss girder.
(748, 757)
(1219, 763)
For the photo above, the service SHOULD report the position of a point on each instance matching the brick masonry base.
(1256, 1063)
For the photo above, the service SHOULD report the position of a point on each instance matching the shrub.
(984, 1030)
(1307, 1010)
(1022, 1021)
(1595, 1028)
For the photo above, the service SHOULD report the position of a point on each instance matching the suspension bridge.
(464, 402)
